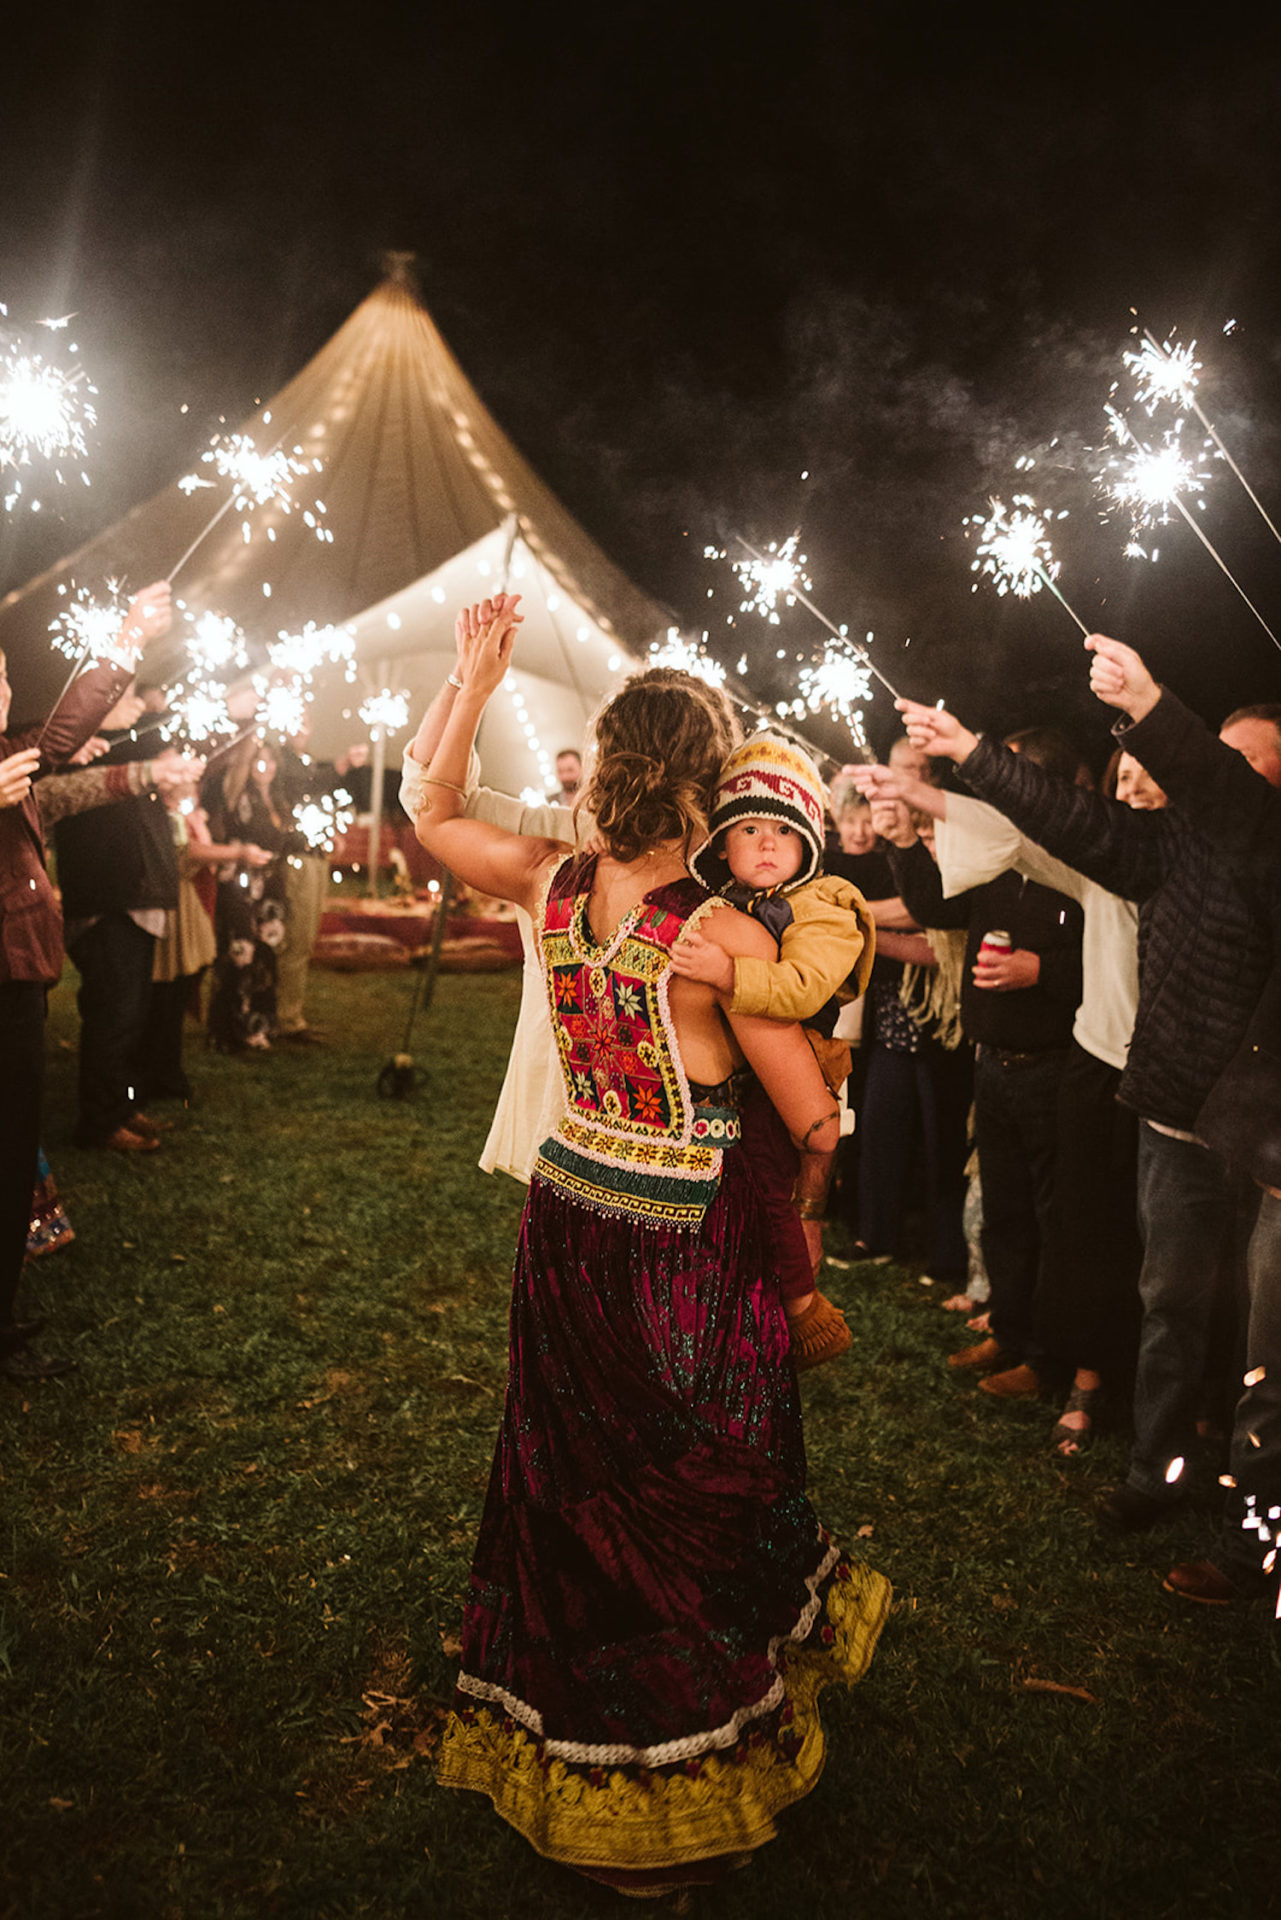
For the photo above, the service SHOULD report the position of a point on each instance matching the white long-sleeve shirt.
(975, 843)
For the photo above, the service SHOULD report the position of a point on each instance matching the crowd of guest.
(1066, 1080)
(1118, 989)
(172, 872)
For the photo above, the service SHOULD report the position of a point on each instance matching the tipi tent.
(427, 501)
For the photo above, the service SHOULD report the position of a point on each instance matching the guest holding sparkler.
(119, 882)
(1205, 949)
(31, 949)
(1086, 1305)
(1232, 786)
(1020, 988)
(912, 1087)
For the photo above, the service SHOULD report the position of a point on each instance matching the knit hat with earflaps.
(766, 779)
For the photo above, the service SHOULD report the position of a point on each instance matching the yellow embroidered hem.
(722, 1803)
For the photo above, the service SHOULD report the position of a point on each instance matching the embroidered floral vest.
(632, 1143)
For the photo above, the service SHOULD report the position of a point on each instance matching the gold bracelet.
(434, 780)
(812, 1209)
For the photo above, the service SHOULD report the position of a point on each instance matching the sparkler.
(685, 655)
(765, 577)
(1014, 550)
(45, 411)
(321, 821)
(840, 681)
(796, 591)
(284, 708)
(303, 654)
(1165, 372)
(385, 712)
(215, 644)
(86, 628)
(1154, 482)
(257, 480)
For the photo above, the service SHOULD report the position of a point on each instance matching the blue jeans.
(1256, 1468)
(1188, 1217)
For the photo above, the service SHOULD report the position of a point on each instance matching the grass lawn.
(234, 1542)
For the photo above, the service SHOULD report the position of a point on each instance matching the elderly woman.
(653, 1605)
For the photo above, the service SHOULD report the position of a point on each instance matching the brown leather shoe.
(1202, 1581)
(989, 1356)
(1016, 1383)
(125, 1140)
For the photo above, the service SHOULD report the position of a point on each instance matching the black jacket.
(1240, 813)
(1205, 943)
(116, 859)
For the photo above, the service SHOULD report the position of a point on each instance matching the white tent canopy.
(564, 664)
(416, 477)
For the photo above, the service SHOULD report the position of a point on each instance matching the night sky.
(684, 260)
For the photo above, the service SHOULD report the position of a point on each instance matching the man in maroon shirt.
(31, 947)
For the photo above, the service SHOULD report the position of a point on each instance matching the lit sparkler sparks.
(1163, 374)
(1151, 481)
(284, 707)
(257, 480)
(686, 655)
(766, 578)
(322, 821)
(840, 681)
(385, 711)
(798, 593)
(216, 644)
(1155, 481)
(1014, 550)
(88, 630)
(198, 714)
(46, 412)
(301, 655)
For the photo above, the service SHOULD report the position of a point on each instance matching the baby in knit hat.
(764, 856)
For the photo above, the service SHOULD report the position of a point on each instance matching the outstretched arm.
(1123, 851)
(91, 695)
(1231, 803)
(506, 864)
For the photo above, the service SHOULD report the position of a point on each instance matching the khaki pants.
(306, 885)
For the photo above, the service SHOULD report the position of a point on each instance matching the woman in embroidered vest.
(653, 1606)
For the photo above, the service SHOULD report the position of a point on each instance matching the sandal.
(1068, 1440)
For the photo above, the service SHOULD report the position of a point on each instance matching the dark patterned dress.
(653, 1605)
(249, 922)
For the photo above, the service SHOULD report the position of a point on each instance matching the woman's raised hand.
(485, 634)
(936, 732)
(16, 770)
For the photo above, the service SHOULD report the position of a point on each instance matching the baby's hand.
(694, 958)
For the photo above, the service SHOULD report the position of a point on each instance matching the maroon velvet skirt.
(653, 1606)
